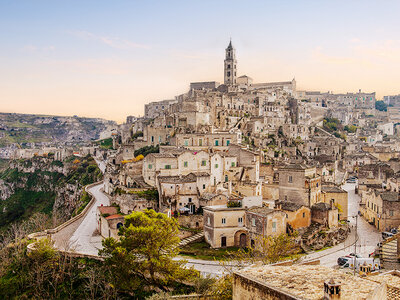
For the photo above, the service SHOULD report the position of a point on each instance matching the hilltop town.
(240, 162)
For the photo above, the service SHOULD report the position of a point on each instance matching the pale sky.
(108, 58)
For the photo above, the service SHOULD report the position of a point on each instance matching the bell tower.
(230, 65)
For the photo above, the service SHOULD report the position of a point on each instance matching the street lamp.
(355, 242)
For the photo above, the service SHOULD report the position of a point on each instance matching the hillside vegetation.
(44, 185)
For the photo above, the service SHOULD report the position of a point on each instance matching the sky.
(108, 58)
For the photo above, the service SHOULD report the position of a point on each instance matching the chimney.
(331, 290)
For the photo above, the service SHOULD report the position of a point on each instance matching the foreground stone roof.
(308, 281)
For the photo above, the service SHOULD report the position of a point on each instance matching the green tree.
(381, 106)
(142, 260)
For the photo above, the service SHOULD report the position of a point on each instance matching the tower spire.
(230, 65)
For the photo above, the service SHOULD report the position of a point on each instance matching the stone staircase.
(388, 254)
(308, 235)
(191, 239)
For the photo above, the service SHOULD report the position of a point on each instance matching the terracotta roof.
(111, 210)
(116, 216)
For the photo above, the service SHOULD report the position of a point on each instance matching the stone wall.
(249, 288)
(191, 221)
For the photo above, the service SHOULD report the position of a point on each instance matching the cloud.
(113, 42)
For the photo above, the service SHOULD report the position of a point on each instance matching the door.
(223, 241)
(242, 240)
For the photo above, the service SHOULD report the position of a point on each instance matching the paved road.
(368, 236)
(101, 164)
(83, 240)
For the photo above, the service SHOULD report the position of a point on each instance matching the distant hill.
(24, 129)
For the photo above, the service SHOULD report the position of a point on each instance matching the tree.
(267, 249)
(381, 106)
(142, 260)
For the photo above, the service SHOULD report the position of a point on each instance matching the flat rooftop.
(308, 281)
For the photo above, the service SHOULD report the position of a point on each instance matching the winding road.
(84, 240)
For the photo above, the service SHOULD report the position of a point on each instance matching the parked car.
(344, 259)
(386, 235)
(351, 179)
(371, 262)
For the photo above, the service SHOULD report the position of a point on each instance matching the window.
(200, 142)
(304, 214)
(317, 184)
(223, 221)
(253, 222)
(274, 226)
(290, 179)
(150, 166)
(240, 221)
(185, 164)
(216, 166)
(229, 74)
(204, 186)
(168, 166)
(190, 200)
(233, 164)
(229, 66)
(186, 142)
(152, 138)
(226, 178)
(391, 212)
(228, 142)
(216, 142)
(208, 221)
(203, 163)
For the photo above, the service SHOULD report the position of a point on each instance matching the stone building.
(297, 215)
(155, 109)
(203, 141)
(224, 226)
(182, 193)
(109, 221)
(324, 214)
(262, 222)
(338, 197)
(300, 184)
(382, 209)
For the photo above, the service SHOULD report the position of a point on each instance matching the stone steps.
(191, 239)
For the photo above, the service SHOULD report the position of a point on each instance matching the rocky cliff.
(45, 185)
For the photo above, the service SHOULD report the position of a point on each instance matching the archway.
(241, 238)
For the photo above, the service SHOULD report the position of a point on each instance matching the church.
(233, 83)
